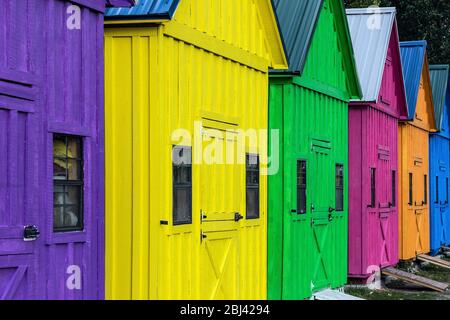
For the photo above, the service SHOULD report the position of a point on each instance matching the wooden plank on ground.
(418, 280)
(434, 260)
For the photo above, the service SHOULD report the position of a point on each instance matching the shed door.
(18, 206)
(440, 201)
(382, 208)
(219, 216)
(322, 195)
(420, 206)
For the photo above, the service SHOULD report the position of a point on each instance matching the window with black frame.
(301, 186)
(393, 188)
(68, 183)
(425, 189)
(339, 187)
(252, 186)
(446, 190)
(373, 191)
(182, 185)
(437, 190)
(410, 183)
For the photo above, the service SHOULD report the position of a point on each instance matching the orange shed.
(414, 213)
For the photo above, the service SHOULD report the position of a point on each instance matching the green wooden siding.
(308, 252)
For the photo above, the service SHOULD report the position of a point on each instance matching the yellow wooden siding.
(414, 224)
(156, 84)
(246, 24)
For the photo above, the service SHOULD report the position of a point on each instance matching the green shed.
(308, 196)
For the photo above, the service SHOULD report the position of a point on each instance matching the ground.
(399, 290)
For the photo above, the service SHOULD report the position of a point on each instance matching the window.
(252, 186)
(373, 191)
(394, 188)
(182, 185)
(410, 202)
(301, 186)
(425, 189)
(339, 187)
(67, 183)
(446, 190)
(437, 190)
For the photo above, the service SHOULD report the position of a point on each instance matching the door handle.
(238, 217)
(331, 210)
(31, 233)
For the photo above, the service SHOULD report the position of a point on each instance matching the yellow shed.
(186, 148)
(414, 201)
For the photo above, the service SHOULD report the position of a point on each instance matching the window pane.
(252, 186)
(67, 184)
(252, 196)
(373, 191)
(339, 187)
(394, 188)
(182, 185)
(74, 170)
(446, 190)
(425, 189)
(411, 189)
(437, 189)
(182, 206)
(301, 186)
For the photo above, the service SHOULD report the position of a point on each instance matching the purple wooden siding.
(373, 134)
(51, 81)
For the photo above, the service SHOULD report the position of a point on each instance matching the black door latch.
(238, 217)
(30, 233)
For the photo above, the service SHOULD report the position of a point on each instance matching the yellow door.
(220, 182)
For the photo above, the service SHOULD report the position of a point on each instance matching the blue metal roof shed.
(439, 78)
(413, 60)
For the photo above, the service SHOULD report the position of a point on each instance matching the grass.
(399, 290)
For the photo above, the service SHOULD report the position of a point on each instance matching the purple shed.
(51, 149)
(373, 142)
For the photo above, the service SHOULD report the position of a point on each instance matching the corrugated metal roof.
(145, 9)
(413, 60)
(297, 20)
(371, 30)
(439, 79)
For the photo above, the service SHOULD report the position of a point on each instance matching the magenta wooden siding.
(373, 145)
(51, 81)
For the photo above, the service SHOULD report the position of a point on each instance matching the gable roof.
(371, 36)
(413, 59)
(346, 45)
(439, 75)
(165, 10)
(298, 21)
(145, 9)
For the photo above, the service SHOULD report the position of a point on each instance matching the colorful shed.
(440, 160)
(51, 146)
(414, 201)
(186, 195)
(308, 196)
(373, 142)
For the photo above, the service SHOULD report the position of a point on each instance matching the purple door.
(18, 205)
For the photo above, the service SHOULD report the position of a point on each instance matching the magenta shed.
(373, 142)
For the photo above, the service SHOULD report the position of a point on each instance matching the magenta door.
(381, 210)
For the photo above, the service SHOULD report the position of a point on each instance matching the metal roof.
(145, 9)
(439, 79)
(413, 60)
(297, 20)
(371, 30)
